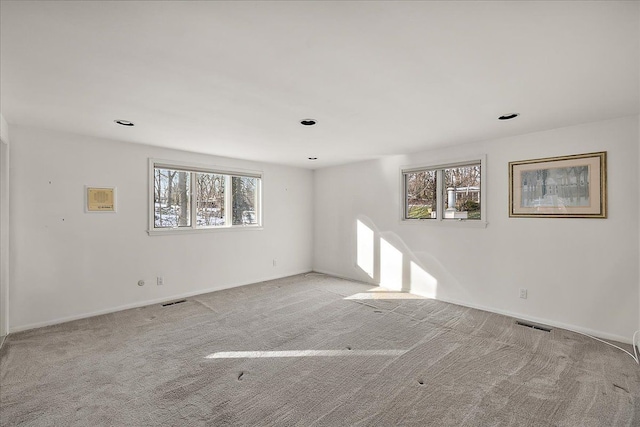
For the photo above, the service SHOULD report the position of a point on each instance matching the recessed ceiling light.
(313, 158)
(308, 122)
(509, 116)
(124, 122)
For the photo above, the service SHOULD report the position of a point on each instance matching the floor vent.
(166, 304)
(532, 326)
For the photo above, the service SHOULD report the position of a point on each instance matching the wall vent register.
(532, 326)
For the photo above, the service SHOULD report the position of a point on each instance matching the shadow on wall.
(389, 262)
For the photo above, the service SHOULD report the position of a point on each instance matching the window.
(421, 192)
(444, 193)
(189, 198)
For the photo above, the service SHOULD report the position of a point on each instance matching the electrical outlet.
(523, 293)
(160, 280)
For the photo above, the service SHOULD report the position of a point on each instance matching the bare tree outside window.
(210, 199)
(421, 197)
(184, 198)
(171, 199)
(244, 200)
(184, 204)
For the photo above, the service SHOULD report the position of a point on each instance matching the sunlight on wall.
(390, 266)
(365, 254)
(422, 283)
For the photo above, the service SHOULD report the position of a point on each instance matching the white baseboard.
(148, 302)
(598, 334)
(548, 322)
(574, 328)
(351, 279)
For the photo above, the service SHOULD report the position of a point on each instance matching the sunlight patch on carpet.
(383, 293)
(301, 353)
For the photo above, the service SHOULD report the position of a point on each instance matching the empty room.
(319, 213)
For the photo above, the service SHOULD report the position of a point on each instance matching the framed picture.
(100, 199)
(559, 187)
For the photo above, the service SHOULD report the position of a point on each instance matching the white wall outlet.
(160, 280)
(523, 293)
(140, 282)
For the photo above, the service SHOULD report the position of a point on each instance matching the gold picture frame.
(572, 186)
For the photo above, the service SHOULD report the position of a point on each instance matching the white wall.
(4, 227)
(581, 273)
(68, 264)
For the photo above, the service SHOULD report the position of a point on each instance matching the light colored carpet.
(312, 351)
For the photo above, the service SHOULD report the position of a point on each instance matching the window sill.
(175, 231)
(445, 223)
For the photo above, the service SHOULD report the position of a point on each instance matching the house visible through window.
(193, 198)
(443, 192)
(462, 188)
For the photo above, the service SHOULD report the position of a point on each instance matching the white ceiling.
(235, 78)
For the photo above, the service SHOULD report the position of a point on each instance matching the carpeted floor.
(312, 351)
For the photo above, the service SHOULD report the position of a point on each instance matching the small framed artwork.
(100, 199)
(559, 187)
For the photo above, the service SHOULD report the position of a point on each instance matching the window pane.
(420, 195)
(244, 200)
(210, 199)
(172, 202)
(462, 192)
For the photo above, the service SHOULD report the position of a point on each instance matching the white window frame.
(194, 168)
(440, 193)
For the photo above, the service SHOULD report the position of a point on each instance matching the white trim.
(5, 243)
(151, 179)
(191, 230)
(351, 279)
(569, 327)
(446, 223)
(150, 302)
(461, 161)
(228, 206)
(201, 167)
(4, 129)
(507, 313)
(540, 320)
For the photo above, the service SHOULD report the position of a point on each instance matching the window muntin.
(449, 192)
(187, 198)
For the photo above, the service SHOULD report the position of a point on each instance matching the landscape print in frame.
(559, 187)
